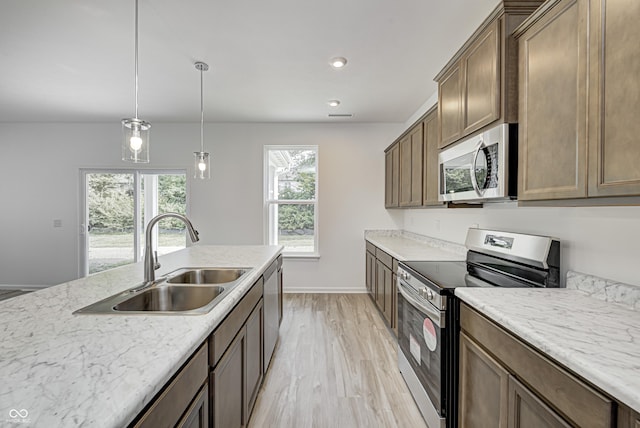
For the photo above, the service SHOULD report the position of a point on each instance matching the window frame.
(271, 234)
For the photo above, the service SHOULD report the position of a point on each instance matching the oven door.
(422, 352)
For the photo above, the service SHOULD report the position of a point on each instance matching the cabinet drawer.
(385, 258)
(168, 408)
(370, 247)
(570, 396)
(227, 330)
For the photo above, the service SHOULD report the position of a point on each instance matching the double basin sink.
(183, 291)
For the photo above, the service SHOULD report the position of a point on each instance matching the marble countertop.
(407, 246)
(61, 370)
(598, 340)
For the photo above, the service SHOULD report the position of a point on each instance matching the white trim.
(322, 290)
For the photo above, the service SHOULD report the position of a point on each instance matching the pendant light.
(202, 167)
(135, 142)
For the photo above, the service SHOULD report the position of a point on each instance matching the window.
(291, 198)
(117, 205)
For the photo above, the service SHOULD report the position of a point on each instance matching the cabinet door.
(371, 272)
(197, 416)
(388, 179)
(430, 167)
(614, 157)
(481, 89)
(417, 143)
(228, 387)
(180, 395)
(379, 289)
(392, 177)
(552, 105)
(483, 395)
(254, 360)
(627, 418)
(450, 107)
(405, 171)
(528, 411)
(388, 294)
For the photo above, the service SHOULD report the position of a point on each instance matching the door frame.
(83, 215)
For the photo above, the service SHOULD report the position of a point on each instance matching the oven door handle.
(433, 313)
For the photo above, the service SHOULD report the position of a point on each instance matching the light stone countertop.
(598, 340)
(407, 246)
(101, 370)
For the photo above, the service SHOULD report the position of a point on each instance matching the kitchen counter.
(598, 340)
(62, 370)
(406, 246)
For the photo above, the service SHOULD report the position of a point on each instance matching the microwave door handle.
(433, 314)
(474, 182)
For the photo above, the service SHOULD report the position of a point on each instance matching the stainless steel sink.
(170, 298)
(182, 292)
(205, 275)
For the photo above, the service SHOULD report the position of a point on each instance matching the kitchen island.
(59, 369)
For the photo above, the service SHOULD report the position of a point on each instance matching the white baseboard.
(325, 290)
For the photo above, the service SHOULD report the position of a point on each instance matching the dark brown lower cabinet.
(483, 389)
(627, 418)
(383, 290)
(370, 263)
(227, 385)
(237, 362)
(381, 283)
(528, 411)
(506, 383)
(197, 415)
(181, 403)
(254, 357)
(237, 377)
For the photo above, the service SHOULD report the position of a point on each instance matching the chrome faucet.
(151, 260)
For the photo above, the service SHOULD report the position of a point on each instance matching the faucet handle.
(156, 265)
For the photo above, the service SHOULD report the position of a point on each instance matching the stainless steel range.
(428, 312)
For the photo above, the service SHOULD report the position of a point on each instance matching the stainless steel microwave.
(480, 168)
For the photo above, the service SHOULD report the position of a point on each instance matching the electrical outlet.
(474, 226)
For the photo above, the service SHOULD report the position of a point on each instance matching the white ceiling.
(72, 60)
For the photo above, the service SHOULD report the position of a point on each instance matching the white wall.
(602, 241)
(39, 179)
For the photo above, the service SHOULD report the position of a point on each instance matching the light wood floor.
(335, 366)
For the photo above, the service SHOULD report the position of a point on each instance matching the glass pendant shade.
(135, 141)
(202, 166)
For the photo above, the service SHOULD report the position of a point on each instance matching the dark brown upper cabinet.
(411, 151)
(479, 85)
(392, 176)
(411, 165)
(579, 100)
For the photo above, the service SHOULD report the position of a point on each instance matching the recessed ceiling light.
(338, 62)
(334, 103)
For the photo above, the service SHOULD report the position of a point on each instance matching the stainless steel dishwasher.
(271, 312)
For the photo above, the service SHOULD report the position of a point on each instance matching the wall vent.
(341, 115)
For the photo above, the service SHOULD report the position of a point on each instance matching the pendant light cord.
(201, 113)
(136, 58)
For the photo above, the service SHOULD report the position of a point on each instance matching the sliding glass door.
(116, 207)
